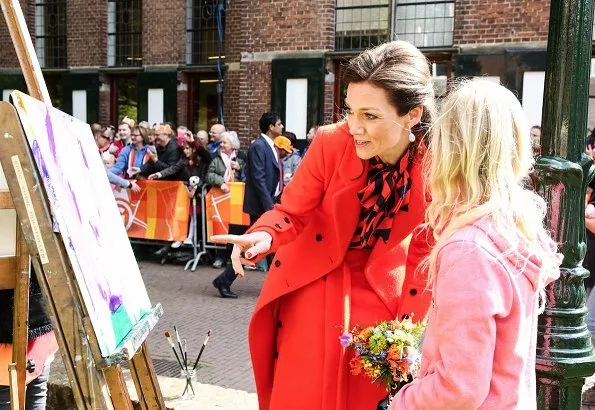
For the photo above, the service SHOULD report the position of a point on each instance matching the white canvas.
(88, 218)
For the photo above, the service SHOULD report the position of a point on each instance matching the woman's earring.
(411, 136)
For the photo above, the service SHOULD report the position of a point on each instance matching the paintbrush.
(186, 354)
(202, 349)
(171, 343)
(179, 342)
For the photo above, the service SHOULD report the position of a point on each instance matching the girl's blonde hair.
(480, 153)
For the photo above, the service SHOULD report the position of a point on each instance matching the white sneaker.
(188, 241)
(176, 244)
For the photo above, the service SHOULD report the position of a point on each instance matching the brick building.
(164, 61)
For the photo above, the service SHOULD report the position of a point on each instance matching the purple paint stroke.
(115, 302)
(50, 130)
(45, 176)
(95, 232)
(76, 205)
(39, 159)
(83, 154)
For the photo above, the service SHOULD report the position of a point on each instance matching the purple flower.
(345, 339)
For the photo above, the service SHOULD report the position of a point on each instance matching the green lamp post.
(564, 353)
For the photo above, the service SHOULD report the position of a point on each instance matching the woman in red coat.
(343, 238)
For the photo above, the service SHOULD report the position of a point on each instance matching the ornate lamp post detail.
(564, 353)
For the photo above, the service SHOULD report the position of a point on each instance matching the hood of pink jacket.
(539, 262)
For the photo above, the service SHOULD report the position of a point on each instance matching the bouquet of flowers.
(388, 353)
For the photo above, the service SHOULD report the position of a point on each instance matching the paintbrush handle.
(179, 341)
(177, 357)
(185, 355)
(198, 358)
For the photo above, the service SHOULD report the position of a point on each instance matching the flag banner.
(225, 208)
(159, 211)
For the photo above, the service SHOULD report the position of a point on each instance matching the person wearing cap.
(290, 157)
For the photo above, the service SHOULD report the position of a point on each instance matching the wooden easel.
(14, 274)
(97, 382)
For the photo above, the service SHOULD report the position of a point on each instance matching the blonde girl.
(491, 261)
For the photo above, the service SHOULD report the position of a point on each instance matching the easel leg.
(145, 380)
(14, 394)
(117, 386)
(20, 327)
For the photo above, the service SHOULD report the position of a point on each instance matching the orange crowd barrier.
(159, 211)
(223, 209)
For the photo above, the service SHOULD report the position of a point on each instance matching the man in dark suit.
(264, 184)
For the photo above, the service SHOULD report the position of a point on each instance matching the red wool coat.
(311, 231)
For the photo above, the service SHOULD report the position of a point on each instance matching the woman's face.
(188, 151)
(137, 138)
(225, 145)
(377, 128)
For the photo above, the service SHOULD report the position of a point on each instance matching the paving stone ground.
(192, 304)
(189, 300)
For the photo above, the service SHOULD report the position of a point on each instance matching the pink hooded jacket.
(479, 347)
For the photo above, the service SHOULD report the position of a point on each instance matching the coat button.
(279, 324)
(318, 237)
(413, 292)
(277, 264)
(277, 226)
(286, 219)
(276, 355)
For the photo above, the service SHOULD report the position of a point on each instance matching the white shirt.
(272, 145)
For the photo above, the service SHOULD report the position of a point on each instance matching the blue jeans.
(36, 393)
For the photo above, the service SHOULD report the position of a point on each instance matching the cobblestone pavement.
(189, 300)
(191, 303)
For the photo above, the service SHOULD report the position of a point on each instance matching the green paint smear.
(121, 324)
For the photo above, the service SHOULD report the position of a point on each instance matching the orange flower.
(393, 353)
(356, 365)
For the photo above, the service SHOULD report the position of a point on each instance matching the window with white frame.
(361, 24)
(124, 33)
(424, 23)
(50, 33)
(205, 29)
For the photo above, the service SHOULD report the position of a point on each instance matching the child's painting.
(85, 210)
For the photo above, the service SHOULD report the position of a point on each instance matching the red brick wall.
(267, 26)
(8, 56)
(500, 21)
(182, 98)
(164, 32)
(329, 92)
(247, 96)
(86, 36)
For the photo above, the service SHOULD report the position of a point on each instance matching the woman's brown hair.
(403, 72)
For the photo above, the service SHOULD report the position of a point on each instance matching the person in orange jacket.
(345, 253)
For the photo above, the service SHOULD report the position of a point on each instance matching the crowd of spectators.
(138, 151)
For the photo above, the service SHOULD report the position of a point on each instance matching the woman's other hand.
(156, 175)
(251, 245)
(224, 188)
(134, 186)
